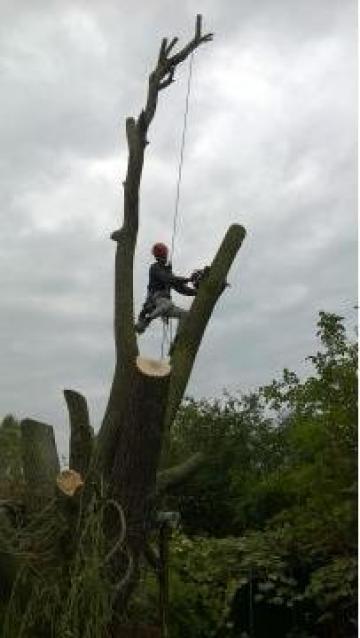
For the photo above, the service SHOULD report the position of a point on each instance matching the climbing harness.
(166, 338)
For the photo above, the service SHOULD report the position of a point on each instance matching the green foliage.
(62, 595)
(281, 477)
(204, 576)
(333, 586)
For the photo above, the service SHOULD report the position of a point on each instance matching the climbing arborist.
(161, 281)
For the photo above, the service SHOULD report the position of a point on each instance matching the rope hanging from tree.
(181, 160)
(167, 325)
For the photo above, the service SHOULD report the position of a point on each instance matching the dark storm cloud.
(270, 144)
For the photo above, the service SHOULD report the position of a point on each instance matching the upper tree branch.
(163, 74)
(195, 323)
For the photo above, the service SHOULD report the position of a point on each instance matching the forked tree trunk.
(141, 409)
(145, 395)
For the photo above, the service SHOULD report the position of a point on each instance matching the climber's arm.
(183, 289)
(167, 277)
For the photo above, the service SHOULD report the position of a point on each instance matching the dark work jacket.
(162, 280)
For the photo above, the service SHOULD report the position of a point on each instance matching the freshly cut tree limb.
(189, 339)
(40, 463)
(178, 474)
(69, 482)
(81, 432)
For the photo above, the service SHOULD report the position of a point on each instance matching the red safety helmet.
(160, 251)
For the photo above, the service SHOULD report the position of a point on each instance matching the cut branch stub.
(81, 432)
(69, 482)
(40, 463)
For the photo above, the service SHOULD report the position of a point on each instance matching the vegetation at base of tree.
(268, 539)
(269, 524)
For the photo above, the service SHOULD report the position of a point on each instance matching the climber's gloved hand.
(199, 275)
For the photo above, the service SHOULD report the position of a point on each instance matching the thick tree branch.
(192, 333)
(81, 432)
(174, 476)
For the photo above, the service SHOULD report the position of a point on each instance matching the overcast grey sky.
(271, 144)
